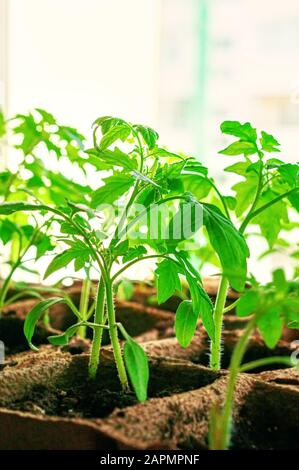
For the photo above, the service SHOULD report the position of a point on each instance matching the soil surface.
(85, 401)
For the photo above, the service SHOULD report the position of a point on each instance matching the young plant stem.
(261, 209)
(114, 338)
(5, 286)
(215, 351)
(97, 332)
(84, 301)
(223, 437)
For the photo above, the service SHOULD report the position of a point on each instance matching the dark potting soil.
(85, 401)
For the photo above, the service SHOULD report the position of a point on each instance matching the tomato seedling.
(270, 308)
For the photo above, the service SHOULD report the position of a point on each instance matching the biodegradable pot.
(147, 294)
(175, 417)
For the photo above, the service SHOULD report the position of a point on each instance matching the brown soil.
(176, 415)
(69, 394)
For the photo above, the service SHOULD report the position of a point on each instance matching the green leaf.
(269, 143)
(239, 148)
(245, 193)
(112, 158)
(240, 168)
(78, 251)
(294, 200)
(290, 173)
(161, 152)
(184, 224)
(125, 290)
(185, 323)
(47, 117)
(202, 304)
(121, 131)
(137, 366)
(168, 280)
(280, 282)
(35, 314)
(107, 122)
(149, 135)
(2, 124)
(243, 131)
(231, 202)
(8, 208)
(229, 244)
(121, 249)
(115, 186)
(63, 339)
(271, 220)
(134, 252)
(43, 246)
(67, 227)
(199, 186)
(7, 230)
(248, 303)
(270, 326)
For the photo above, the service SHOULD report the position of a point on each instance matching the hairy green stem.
(215, 351)
(231, 306)
(223, 436)
(266, 362)
(97, 332)
(6, 284)
(131, 263)
(261, 209)
(114, 338)
(84, 301)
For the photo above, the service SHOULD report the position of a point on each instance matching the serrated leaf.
(43, 246)
(240, 148)
(199, 186)
(243, 131)
(137, 366)
(168, 281)
(269, 143)
(184, 224)
(290, 173)
(134, 252)
(240, 168)
(245, 193)
(294, 200)
(229, 244)
(7, 230)
(248, 303)
(77, 251)
(270, 326)
(120, 131)
(121, 249)
(66, 227)
(185, 323)
(149, 135)
(161, 152)
(35, 314)
(111, 158)
(115, 186)
(271, 220)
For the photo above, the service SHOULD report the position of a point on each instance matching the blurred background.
(180, 66)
